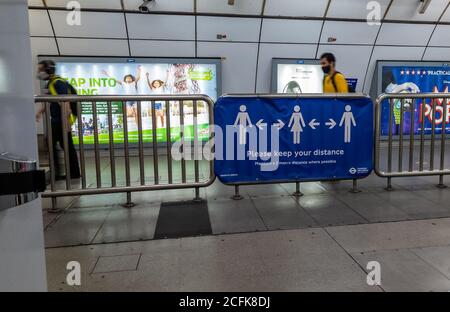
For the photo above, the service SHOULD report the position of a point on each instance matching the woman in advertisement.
(158, 87)
(130, 87)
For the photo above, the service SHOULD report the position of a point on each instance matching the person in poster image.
(130, 87)
(158, 87)
(243, 121)
(390, 86)
(298, 123)
(347, 120)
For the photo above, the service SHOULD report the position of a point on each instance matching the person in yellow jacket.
(56, 85)
(333, 81)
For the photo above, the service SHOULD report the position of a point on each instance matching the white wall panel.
(349, 32)
(41, 46)
(350, 60)
(169, 27)
(236, 29)
(238, 65)
(252, 7)
(39, 23)
(269, 51)
(405, 34)
(163, 5)
(88, 4)
(407, 10)
(290, 31)
(383, 53)
(149, 48)
(93, 24)
(441, 36)
(35, 3)
(314, 8)
(437, 54)
(101, 47)
(446, 16)
(353, 8)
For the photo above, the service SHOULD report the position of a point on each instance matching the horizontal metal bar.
(125, 189)
(386, 96)
(120, 98)
(412, 173)
(300, 95)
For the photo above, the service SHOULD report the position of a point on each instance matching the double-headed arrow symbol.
(313, 124)
(331, 124)
(261, 124)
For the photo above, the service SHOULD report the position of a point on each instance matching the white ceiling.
(284, 28)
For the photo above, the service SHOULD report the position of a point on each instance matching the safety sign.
(265, 139)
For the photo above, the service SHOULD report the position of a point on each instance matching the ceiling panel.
(290, 31)
(150, 48)
(441, 36)
(310, 8)
(88, 4)
(238, 65)
(383, 53)
(353, 8)
(235, 29)
(269, 51)
(93, 24)
(437, 54)
(97, 47)
(35, 3)
(39, 23)
(350, 60)
(407, 10)
(405, 34)
(163, 5)
(446, 16)
(169, 27)
(349, 32)
(252, 7)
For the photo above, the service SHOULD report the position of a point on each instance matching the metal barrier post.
(355, 188)
(49, 130)
(236, 195)
(297, 192)
(129, 203)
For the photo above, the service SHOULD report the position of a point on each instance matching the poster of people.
(140, 78)
(299, 78)
(415, 79)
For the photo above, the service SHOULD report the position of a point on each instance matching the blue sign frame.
(270, 139)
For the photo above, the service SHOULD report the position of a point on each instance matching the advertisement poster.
(299, 78)
(415, 79)
(140, 78)
(300, 139)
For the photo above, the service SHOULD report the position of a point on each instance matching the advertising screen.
(92, 76)
(414, 78)
(296, 76)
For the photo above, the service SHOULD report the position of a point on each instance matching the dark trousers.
(57, 135)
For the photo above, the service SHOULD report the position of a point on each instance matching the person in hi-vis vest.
(56, 85)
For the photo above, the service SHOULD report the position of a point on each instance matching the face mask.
(42, 75)
(326, 69)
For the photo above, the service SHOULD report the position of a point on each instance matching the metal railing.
(125, 147)
(403, 109)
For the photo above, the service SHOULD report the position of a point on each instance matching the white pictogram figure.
(243, 121)
(298, 123)
(348, 120)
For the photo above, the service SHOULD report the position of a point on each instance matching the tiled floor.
(268, 241)
(413, 256)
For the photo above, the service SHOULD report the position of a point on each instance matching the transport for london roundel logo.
(352, 170)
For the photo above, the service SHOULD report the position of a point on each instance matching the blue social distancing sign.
(262, 139)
